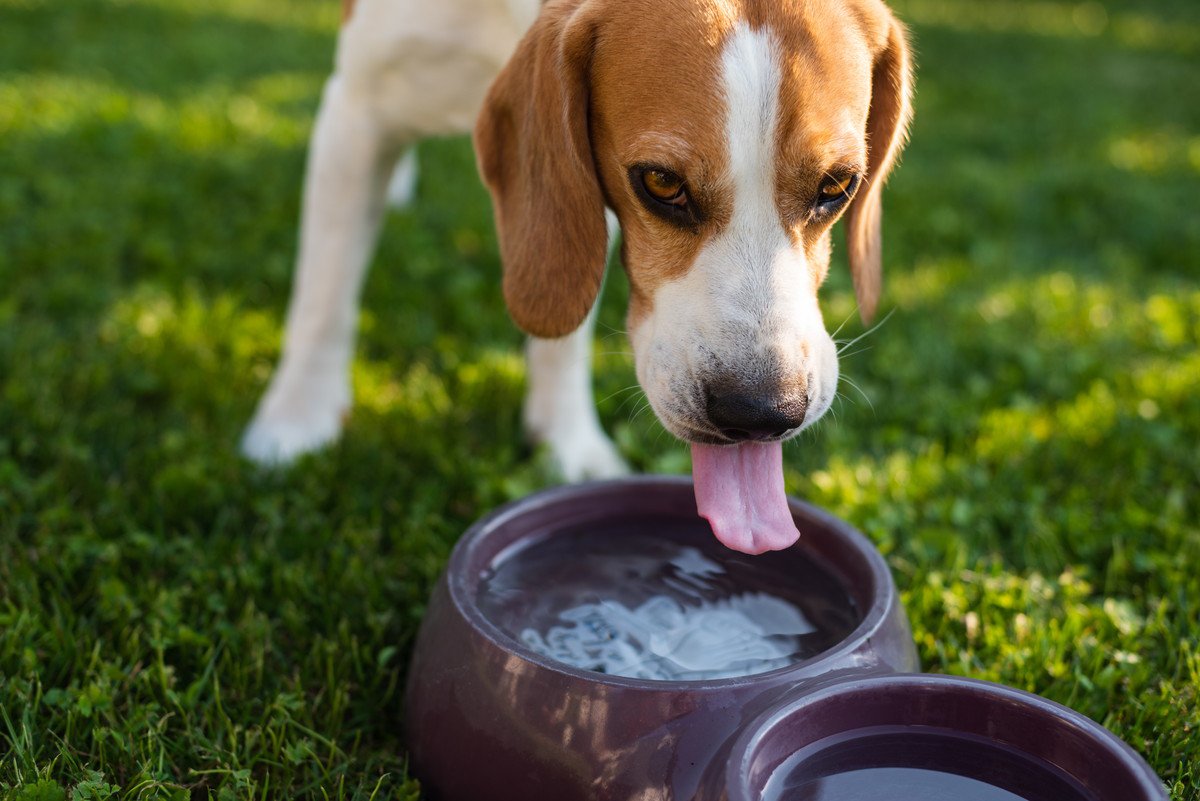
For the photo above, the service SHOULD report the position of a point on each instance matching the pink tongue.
(739, 490)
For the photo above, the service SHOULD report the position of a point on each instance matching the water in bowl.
(664, 600)
(917, 764)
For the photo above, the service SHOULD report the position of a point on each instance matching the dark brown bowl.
(1023, 743)
(488, 718)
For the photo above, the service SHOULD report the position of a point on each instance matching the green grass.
(175, 623)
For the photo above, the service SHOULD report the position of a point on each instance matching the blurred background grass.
(175, 623)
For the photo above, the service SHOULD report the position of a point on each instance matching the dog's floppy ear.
(535, 154)
(887, 129)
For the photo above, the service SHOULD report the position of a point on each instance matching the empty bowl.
(595, 642)
(931, 738)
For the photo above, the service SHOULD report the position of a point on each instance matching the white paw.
(583, 455)
(402, 187)
(289, 424)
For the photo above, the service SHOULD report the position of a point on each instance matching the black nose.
(741, 416)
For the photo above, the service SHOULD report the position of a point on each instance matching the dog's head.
(728, 136)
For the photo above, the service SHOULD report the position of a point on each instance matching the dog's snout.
(741, 415)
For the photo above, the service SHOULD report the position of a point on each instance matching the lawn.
(176, 623)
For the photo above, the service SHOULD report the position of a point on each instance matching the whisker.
(618, 392)
(833, 412)
(833, 336)
(809, 435)
(639, 412)
(868, 332)
(863, 349)
(860, 392)
(837, 421)
(661, 430)
(625, 403)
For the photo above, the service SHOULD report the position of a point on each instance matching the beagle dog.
(724, 136)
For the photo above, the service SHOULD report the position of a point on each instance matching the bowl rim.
(750, 739)
(882, 588)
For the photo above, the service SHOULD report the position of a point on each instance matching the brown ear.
(535, 154)
(887, 127)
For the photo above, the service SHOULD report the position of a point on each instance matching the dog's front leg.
(560, 411)
(350, 156)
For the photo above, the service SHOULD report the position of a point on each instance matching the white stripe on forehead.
(751, 77)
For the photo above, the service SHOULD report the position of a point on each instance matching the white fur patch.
(402, 187)
(751, 77)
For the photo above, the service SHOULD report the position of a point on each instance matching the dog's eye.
(665, 195)
(834, 191)
(664, 186)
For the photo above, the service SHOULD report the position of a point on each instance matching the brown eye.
(665, 194)
(664, 186)
(835, 190)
